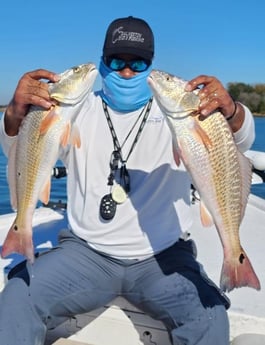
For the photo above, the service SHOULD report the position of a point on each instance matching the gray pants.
(73, 278)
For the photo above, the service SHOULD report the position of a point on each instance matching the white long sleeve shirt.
(157, 210)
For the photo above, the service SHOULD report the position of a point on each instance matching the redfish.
(36, 150)
(220, 172)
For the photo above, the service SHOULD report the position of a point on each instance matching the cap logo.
(120, 35)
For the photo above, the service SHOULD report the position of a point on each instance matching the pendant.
(118, 194)
(107, 208)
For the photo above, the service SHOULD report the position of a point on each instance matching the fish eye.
(76, 69)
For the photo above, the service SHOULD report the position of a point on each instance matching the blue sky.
(222, 38)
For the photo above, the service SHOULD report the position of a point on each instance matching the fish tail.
(18, 242)
(238, 272)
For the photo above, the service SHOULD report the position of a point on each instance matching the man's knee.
(212, 328)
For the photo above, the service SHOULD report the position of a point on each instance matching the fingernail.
(188, 87)
(57, 77)
(46, 104)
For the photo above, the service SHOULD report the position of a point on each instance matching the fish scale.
(219, 171)
(36, 150)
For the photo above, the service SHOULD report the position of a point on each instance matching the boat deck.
(120, 322)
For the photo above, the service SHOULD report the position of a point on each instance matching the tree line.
(253, 96)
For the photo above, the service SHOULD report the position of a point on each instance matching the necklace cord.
(116, 143)
(116, 155)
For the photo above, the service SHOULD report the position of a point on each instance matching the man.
(128, 206)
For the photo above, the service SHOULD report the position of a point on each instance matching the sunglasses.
(117, 64)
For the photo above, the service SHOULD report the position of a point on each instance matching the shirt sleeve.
(6, 141)
(245, 136)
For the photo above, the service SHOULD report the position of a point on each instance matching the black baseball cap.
(129, 35)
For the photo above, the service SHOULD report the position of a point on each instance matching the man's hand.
(30, 91)
(213, 97)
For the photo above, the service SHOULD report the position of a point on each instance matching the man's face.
(127, 65)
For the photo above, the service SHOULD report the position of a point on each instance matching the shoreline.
(259, 115)
(3, 108)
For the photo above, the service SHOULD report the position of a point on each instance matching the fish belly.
(35, 157)
(222, 176)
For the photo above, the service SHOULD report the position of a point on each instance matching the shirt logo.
(120, 35)
(156, 118)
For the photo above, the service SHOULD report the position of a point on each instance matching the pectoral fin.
(64, 140)
(176, 154)
(49, 120)
(70, 136)
(200, 135)
(206, 218)
(45, 192)
(75, 137)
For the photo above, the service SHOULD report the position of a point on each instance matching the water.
(58, 186)
(259, 145)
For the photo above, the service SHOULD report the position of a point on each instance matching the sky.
(192, 37)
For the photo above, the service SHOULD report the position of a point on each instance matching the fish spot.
(241, 258)
(15, 227)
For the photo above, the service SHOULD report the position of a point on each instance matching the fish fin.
(12, 175)
(48, 121)
(246, 180)
(70, 135)
(200, 135)
(206, 218)
(238, 272)
(176, 155)
(64, 140)
(18, 242)
(45, 192)
(75, 136)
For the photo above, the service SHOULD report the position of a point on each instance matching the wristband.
(234, 113)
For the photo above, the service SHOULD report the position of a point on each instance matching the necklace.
(119, 191)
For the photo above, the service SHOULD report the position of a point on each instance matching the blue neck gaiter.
(124, 94)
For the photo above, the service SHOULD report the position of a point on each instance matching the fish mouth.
(166, 108)
(150, 79)
(92, 67)
(155, 87)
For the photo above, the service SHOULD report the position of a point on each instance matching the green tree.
(253, 96)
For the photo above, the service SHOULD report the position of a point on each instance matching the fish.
(32, 157)
(220, 173)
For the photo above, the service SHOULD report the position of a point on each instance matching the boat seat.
(249, 339)
(243, 339)
(64, 341)
(117, 323)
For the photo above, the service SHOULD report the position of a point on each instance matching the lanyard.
(116, 155)
(116, 143)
